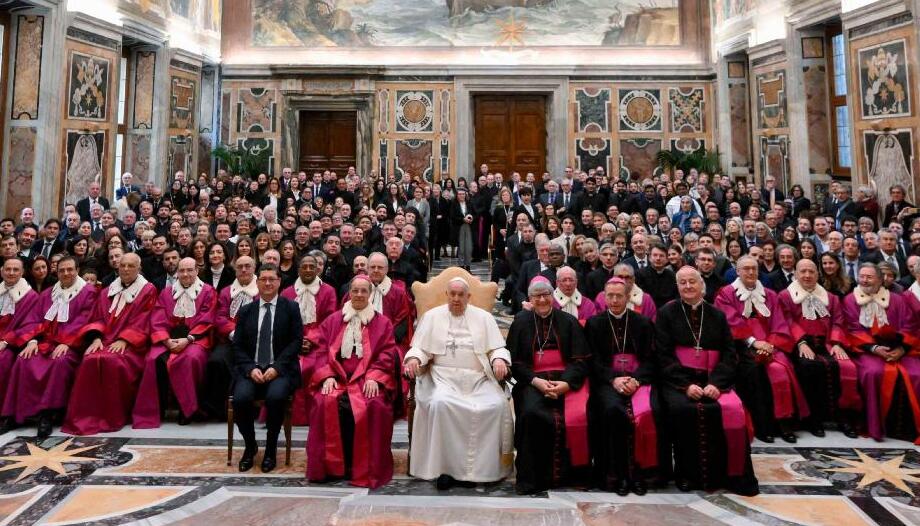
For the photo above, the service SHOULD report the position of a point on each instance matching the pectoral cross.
(623, 361)
(698, 349)
(452, 346)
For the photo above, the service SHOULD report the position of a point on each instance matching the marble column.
(796, 101)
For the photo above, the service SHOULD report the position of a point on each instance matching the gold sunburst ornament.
(510, 32)
(53, 459)
(873, 471)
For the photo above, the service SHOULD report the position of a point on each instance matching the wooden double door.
(510, 133)
(328, 141)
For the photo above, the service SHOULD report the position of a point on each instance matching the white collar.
(356, 320)
(306, 299)
(620, 315)
(379, 292)
(636, 295)
(60, 300)
(122, 296)
(10, 296)
(915, 289)
(185, 298)
(568, 304)
(241, 295)
(753, 299)
(872, 307)
(814, 304)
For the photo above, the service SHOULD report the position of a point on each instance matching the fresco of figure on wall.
(84, 153)
(889, 160)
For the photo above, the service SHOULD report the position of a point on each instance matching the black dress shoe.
(268, 462)
(44, 427)
(444, 482)
(639, 487)
(683, 485)
(247, 459)
(183, 420)
(848, 430)
(6, 425)
(765, 438)
(789, 436)
(817, 429)
(621, 487)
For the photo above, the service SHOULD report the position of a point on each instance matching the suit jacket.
(529, 270)
(83, 207)
(556, 200)
(877, 257)
(287, 340)
(765, 196)
(56, 248)
(778, 279)
(575, 204)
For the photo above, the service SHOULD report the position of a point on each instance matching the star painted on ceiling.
(873, 471)
(510, 32)
(53, 459)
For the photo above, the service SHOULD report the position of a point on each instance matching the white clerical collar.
(618, 316)
(60, 300)
(694, 306)
(124, 295)
(185, 298)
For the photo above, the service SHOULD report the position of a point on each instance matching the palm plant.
(246, 162)
(702, 159)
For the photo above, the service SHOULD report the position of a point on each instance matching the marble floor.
(179, 475)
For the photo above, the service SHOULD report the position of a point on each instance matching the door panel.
(511, 133)
(327, 140)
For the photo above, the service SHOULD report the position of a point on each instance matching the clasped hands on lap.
(117, 347)
(260, 377)
(499, 369)
(371, 387)
(695, 392)
(551, 389)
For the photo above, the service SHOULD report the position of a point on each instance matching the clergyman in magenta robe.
(107, 379)
(43, 375)
(353, 383)
(181, 333)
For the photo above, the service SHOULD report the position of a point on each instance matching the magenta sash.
(576, 405)
(624, 363)
(646, 434)
(734, 416)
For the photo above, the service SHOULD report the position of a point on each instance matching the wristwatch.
(191, 339)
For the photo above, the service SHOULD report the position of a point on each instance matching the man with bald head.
(463, 426)
(698, 363)
(826, 372)
(218, 376)
(180, 330)
(107, 379)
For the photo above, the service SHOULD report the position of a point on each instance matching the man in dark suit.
(49, 244)
(551, 196)
(266, 344)
(547, 255)
(845, 207)
(770, 194)
(887, 252)
(83, 205)
(127, 186)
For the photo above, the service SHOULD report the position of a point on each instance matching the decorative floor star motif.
(873, 471)
(53, 459)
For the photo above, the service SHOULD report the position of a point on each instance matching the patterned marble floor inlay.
(178, 475)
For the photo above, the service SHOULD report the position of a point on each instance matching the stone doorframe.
(363, 104)
(557, 91)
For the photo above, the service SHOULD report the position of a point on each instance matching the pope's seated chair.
(434, 294)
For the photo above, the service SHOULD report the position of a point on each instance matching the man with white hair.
(567, 297)
(770, 390)
(462, 429)
(94, 198)
(637, 300)
(550, 362)
(180, 328)
(389, 297)
(879, 324)
(698, 365)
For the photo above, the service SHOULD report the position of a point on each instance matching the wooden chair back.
(434, 293)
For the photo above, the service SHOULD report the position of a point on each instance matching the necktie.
(641, 263)
(851, 271)
(46, 250)
(790, 277)
(95, 226)
(565, 200)
(264, 353)
(566, 243)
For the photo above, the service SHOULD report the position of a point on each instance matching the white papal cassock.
(463, 420)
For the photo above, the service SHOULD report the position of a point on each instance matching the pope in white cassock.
(463, 430)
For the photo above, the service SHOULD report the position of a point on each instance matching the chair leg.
(230, 430)
(288, 431)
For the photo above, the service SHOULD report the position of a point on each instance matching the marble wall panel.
(256, 110)
(382, 158)
(179, 154)
(637, 158)
(812, 47)
(383, 110)
(139, 162)
(204, 153)
(414, 156)
(884, 79)
(592, 152)
(88, 87)
(640, 110)
(774, 159)
(591, 106)
(686, 107)
(445, 155)
(144, 77)
(445, 95)
(737, 70)
(182, 102)
(771, 100)
(21, 166)
(414, 111)
(889, 157)
(27, 67)
(816, 107)
(84, 154)
(225, 116)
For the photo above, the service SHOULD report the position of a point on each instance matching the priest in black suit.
(266, 348)
(84, 205)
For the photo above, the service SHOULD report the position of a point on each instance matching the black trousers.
(275, 394)
(218, 379)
